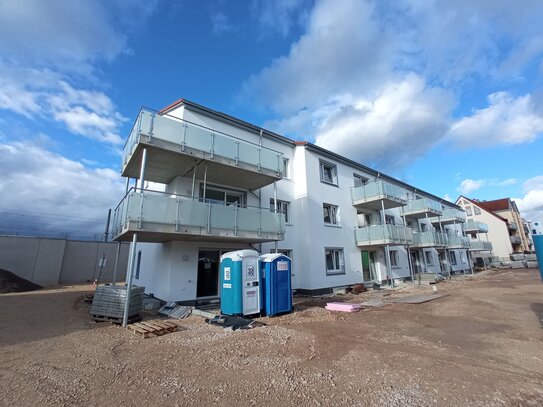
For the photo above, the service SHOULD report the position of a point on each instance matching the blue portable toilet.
(240, 283)
(276, 287)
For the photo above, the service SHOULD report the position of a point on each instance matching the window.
(334, 261)
(219, 195)
(285, 169)
(328, 173)
(423, 227)
(367, 219)
(282, 207)
(468, 211)
(138, 264)
(359, 180)
(389, 220)
(452, 258)
(330, 214)
(476, 210)
(394, 258)
(429, 258)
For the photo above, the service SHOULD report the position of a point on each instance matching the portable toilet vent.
(239, 279)
(276, 289)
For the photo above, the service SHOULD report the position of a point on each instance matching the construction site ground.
(482, 345)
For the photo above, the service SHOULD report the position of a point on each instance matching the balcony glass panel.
(169, 210)
(376, 189)
(458, 241)
(200, 138)
(478, 226)
(422, 205)
(430, 238)
(384, 233)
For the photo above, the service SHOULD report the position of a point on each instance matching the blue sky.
(447, 96)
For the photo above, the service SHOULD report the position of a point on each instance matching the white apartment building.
(208, 183)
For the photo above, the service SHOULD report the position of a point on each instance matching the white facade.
(319, 233)
(498, 233)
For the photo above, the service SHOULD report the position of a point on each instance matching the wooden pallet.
(155, 327)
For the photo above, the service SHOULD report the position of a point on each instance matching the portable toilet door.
(240, 287)
(277, 290)
(231, 284)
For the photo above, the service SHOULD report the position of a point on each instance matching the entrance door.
(368, 266)
(207, 284)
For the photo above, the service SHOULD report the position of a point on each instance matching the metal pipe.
(129, 277)
(274, 205)
(205, 183)
(127, 185)
(408, 250)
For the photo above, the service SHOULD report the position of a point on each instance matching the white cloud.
(531, 204)
(338, 54)
(381, 131)
(279, 16)
(467, 186)
(353, 53)
(220, 23)
(507, 120)
(68, 35)
(36, 180)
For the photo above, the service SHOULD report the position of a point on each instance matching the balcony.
(175, 147)
(429, 239)
(369, 196)
(479, 246)
(383, 235)
(162, 217)
(450, 215)
(420, 208)
(457, 242)
(515, 239)
(472, 226)
(512, 226)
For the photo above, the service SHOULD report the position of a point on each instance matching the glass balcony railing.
(169, 213)
(457, 242)
(450, 215)
(378, 190)
(210, 142)
(512, 225)
(423, 205)
(383, 235)
(429, 239)
(479, 246)
(475, 226)
(515, 239)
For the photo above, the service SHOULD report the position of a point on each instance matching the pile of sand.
(12, 283)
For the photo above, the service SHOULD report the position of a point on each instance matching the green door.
(368, 268)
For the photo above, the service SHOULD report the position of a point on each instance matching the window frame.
(336, 216)
(358, 177)
(390, 220)
(476, 211)
(469, 211)
(394, 258)
(334, 174)
(452, 258)
(281, 204)
(338, 255)
(286, 168)
(429, 258)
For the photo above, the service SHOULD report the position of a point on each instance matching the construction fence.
(48, 261)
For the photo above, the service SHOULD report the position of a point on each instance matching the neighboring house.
(209, 183)
(506, 228)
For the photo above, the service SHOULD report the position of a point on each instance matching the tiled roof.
(496, 205)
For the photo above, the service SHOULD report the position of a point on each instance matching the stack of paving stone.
(109, 302)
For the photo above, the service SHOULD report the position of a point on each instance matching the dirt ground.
(482, 345)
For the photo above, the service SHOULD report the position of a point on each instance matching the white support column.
(408, 251)
(130, 273)
(274, 205)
